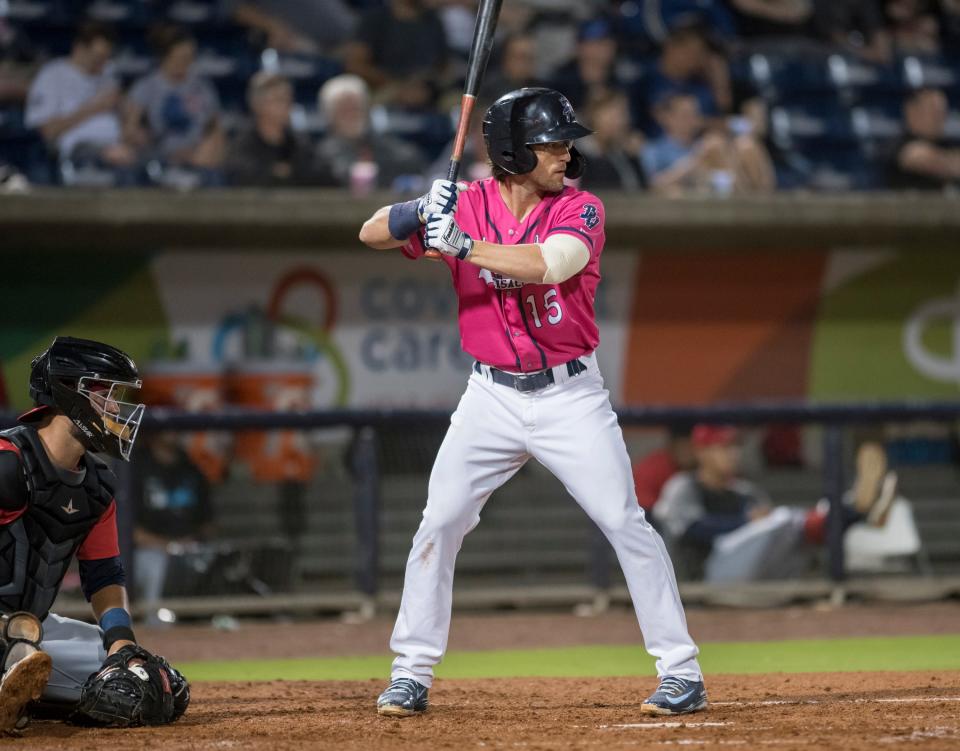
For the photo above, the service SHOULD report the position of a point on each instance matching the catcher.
(56, 502)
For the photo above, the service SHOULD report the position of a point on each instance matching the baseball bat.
(483, 32)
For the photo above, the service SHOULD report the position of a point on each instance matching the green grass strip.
(799, 656)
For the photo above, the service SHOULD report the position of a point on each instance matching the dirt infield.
(821, 711)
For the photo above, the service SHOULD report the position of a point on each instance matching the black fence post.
(366, 509)
(599, 560)
(833, 487)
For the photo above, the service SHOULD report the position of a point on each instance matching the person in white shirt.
(74, 102)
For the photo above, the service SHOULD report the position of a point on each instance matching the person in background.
(771, 19)
(296, 26)
(699, 508)
(75, 102)
(400, 50)
(914, 28)
(690, 63)
(653, 471)
(175, 113)
(923, 158)
(353, 151)
(592, 70)
(515, 68)
(268, 153)
(171, 505)
(855, 26)
(613, 149)
(686, 158)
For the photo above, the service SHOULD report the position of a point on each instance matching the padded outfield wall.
(826, 298)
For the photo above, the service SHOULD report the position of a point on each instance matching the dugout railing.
(365, 459)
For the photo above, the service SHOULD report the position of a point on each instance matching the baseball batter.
(524, 253)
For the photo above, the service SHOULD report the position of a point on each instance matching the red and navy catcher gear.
(89, 382)
(529, 116)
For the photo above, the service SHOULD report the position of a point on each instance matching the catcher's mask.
(530, 116)
(94, 385)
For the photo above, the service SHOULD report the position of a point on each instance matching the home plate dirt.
(848, 711)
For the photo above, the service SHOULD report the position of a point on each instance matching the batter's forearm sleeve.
(100, 573)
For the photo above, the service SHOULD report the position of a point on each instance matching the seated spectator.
(171, 501)
(687, 65)
(592, 70)
(74, 102)
(350, 147)
(400, 50)
(175, 113)
(855, 26)
(924, 158)
(686, 158)
(268, 153)
(515, 68)
(17, 64)
(757, 19)
(652, 472)
(914, 28)
(662, 17)
(701, 508)
(612, 152)
(296, 26)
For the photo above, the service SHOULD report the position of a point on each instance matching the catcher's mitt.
(133, 687)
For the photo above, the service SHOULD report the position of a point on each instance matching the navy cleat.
(676, 696)
(403, 697)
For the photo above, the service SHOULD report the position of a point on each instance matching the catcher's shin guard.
(26, 668)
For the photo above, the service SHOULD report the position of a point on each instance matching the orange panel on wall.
(716, 327)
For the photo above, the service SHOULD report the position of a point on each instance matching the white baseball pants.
(571, 429)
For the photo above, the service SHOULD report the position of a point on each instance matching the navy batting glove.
(445, 235)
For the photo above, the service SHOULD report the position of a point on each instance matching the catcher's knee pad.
(21, 635)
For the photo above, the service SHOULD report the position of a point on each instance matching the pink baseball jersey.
(509, 324)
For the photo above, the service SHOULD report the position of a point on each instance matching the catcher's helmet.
(528, 116)
(89, 382)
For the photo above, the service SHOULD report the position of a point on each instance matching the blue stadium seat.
(193, 12)
(119, 13)
(777, 78)
(26, 12)
(793, 125)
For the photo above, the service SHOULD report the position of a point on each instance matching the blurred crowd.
(713, 97)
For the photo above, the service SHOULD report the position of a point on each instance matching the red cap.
(713, 435)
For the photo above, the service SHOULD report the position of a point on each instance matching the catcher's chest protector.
(37, 547)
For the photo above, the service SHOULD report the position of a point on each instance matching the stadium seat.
(777, 78)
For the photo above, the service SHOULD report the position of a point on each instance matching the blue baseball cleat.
(403, 697)
(676, 696)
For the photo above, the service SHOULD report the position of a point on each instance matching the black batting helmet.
(90, 383)
(528, 116)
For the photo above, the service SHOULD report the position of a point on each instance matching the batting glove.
(440, 199)
(444, 235)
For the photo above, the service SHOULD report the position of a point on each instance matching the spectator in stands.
(171, 500)
(613, 150)
(689, 63)
(688, 158)
(515, 68)
(924, 158)
(652, 472)
(712, 503)
(297, 26)
(661, 18)
(175, 113)
(74, 102)
(776, 19)
(354, 152)
(855, 26)
(913, 27)
(950, 22)
(17, 64)
(592, 70)
(400, 50)
(268, 153)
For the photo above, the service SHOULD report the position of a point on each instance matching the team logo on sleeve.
(590, 215)
(498, 281)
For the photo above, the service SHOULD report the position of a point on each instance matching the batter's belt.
(527, 382)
